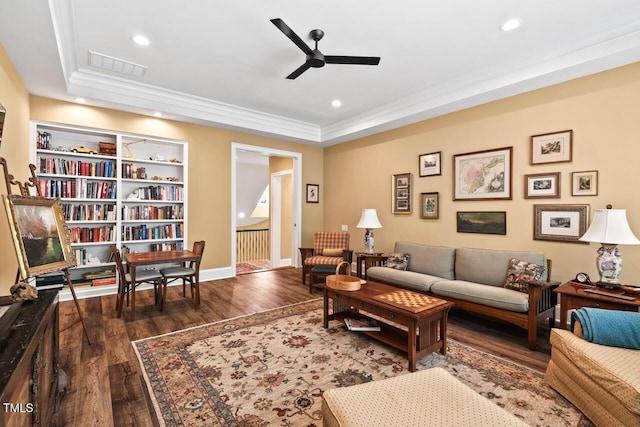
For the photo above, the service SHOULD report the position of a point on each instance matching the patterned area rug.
(271, 368)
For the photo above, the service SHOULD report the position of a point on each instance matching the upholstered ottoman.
(431, 397)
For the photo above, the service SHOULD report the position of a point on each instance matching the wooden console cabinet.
(29, 364)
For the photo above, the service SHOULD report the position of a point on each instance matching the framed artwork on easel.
(40, 234)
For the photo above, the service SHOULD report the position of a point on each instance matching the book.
(361, 324)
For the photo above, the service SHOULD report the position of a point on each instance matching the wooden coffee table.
(426, 328)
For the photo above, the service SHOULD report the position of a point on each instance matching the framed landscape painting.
(584, 183)
(483, 175)
(481, 222)
(40, 235)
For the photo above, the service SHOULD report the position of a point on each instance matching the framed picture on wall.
(401, 194)
(429, 205)
(560, 223)
(430, 164)
(40, 235)
(542, 185)
(553, 147)
(483, 175)
(584, 183)
(481, 222)
(313, 193)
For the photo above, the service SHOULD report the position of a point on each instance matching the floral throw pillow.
(398, 261)
(519, 272)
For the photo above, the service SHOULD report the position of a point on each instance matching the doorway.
(284, 204)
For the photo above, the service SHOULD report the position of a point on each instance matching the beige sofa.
(602, 381)
(474, 280)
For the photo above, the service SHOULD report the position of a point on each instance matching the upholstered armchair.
(329, 248)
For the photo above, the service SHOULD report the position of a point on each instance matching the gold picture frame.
(40, 234)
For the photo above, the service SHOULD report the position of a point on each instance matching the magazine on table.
(361, 324)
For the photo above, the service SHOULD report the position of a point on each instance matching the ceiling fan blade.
(292, 35)
(301, 69)
(360, 60)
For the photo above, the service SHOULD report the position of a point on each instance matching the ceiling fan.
(315, 58)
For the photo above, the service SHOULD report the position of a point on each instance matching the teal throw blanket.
(609, 327)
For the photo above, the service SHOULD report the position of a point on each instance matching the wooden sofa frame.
(542, 303)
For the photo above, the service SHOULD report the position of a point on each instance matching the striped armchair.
(329, 248)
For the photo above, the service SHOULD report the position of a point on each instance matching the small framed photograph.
(483, 175)
(542, 186)
(553, 147)
(430, 164)
(584, 183)
(40, 235)
(429, 205)
(560, 223)
(313, 193)
(401, 194)
(481, 222)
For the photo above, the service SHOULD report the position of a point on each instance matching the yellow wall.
(604, 112)
(15, 149)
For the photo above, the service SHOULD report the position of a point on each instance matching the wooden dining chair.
(142, 276)
(188, 272)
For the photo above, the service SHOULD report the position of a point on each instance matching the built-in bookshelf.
(115, 188)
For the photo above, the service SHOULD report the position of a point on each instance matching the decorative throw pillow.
(519, 272)
(332, 252)
(398, 261)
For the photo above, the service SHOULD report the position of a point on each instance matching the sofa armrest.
(305, 253)
(541, 296)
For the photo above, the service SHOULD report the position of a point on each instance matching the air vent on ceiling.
(116, 65)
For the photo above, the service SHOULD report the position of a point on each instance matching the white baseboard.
(98, 291)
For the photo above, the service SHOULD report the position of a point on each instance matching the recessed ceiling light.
(510, 24)
(80, 100)
(241, 214)
(157, 114)
(140, 40)
(336, 103)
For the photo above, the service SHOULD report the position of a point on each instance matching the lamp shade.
(610, 226)
(369, 219)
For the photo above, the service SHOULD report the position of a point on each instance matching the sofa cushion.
(398, 261)
(406, 279)
(613, 368)
(491, 296)
(432, 260)
(489, 266)
(519, 272)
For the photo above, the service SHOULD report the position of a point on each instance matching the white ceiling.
(223, 64)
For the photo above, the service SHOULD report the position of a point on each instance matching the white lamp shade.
(610, 226)
(369, 219)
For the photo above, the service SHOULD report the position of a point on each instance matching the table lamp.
(610, 228)
(369, 220)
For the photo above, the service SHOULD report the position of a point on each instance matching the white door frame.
(296, 202)
(275, 203)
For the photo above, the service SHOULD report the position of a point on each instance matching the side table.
(574, 296)
(360, 260)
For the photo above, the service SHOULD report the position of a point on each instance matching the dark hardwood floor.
(105, 387)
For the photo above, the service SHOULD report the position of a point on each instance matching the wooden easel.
(24, 191)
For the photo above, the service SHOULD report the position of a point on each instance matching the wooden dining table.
(137, 259)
